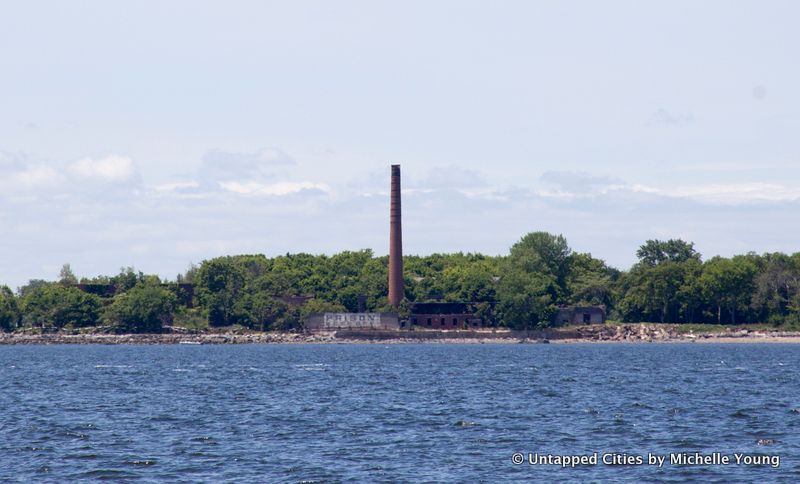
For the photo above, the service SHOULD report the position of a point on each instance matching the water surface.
(375, 413)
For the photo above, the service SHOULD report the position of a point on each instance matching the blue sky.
(157, 134)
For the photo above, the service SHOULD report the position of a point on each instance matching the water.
(374, 413)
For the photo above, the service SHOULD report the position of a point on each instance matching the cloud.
(575, 183)
(451, 177)
(735, 193)
(19, 173)
(274, 189)
(221, 166)
(112, 168)
(662, 117)
(72, 216)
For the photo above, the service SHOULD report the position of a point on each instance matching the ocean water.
(397, 413)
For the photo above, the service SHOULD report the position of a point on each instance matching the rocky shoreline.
(626, 333)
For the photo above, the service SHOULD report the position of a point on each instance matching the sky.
(158, 134)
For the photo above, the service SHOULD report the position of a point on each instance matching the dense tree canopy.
(9, 310)
(55, 306)
(670, 283)
(145, 308)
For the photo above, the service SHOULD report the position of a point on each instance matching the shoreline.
(597, 334)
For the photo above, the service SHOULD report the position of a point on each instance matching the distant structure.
(580, 315)
(396, 289)
(318, 322)
(445, 315)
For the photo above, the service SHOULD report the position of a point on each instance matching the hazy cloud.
(451, 177)
(221, 166)
(662, 117)
(112, 168)
(575, 183)
(273, 189)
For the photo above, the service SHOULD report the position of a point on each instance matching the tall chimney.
(396, 290)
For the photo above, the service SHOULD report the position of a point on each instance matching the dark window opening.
(429, 321)
(587, 318)
(455, 321)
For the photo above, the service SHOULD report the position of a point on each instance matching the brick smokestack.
(396, 289)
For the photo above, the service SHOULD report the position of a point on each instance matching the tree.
(533, 281)
(261, 311)
(66, 276)
(219, 284)
(53, 306)
(126, 279)
(9, 310)
(146, 308)
(544, 253)
(655, 252)
(658, 288)
(728, 284)
(776, 294)
(590, 281)
(526, 299)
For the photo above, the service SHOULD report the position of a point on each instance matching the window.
(441, 321)
(429, 321)
(413, 320)
(455, 321)
(587, 318)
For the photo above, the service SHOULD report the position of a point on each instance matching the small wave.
(113, 366)
(205, 440)
(163, 418)
(104, 474)
(466, 423)
(81, 456)
(182, 370)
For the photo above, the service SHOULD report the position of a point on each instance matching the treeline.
(670, 283)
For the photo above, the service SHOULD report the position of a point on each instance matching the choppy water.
(373, 413)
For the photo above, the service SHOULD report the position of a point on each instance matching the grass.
(190, 319)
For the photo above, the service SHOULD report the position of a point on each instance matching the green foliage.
(655, 252)
(53, 307)
(523, 289)
(590, 281)
(66, 276)
(728, 284)
(662, 286)
(190, 318)
(9, 310)
(543, 253)
(534, 280)
(219, 285)
(263, 312)
(145, 308)
(526, 299)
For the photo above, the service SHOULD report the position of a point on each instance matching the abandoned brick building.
(580, 315)
(444, 315)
